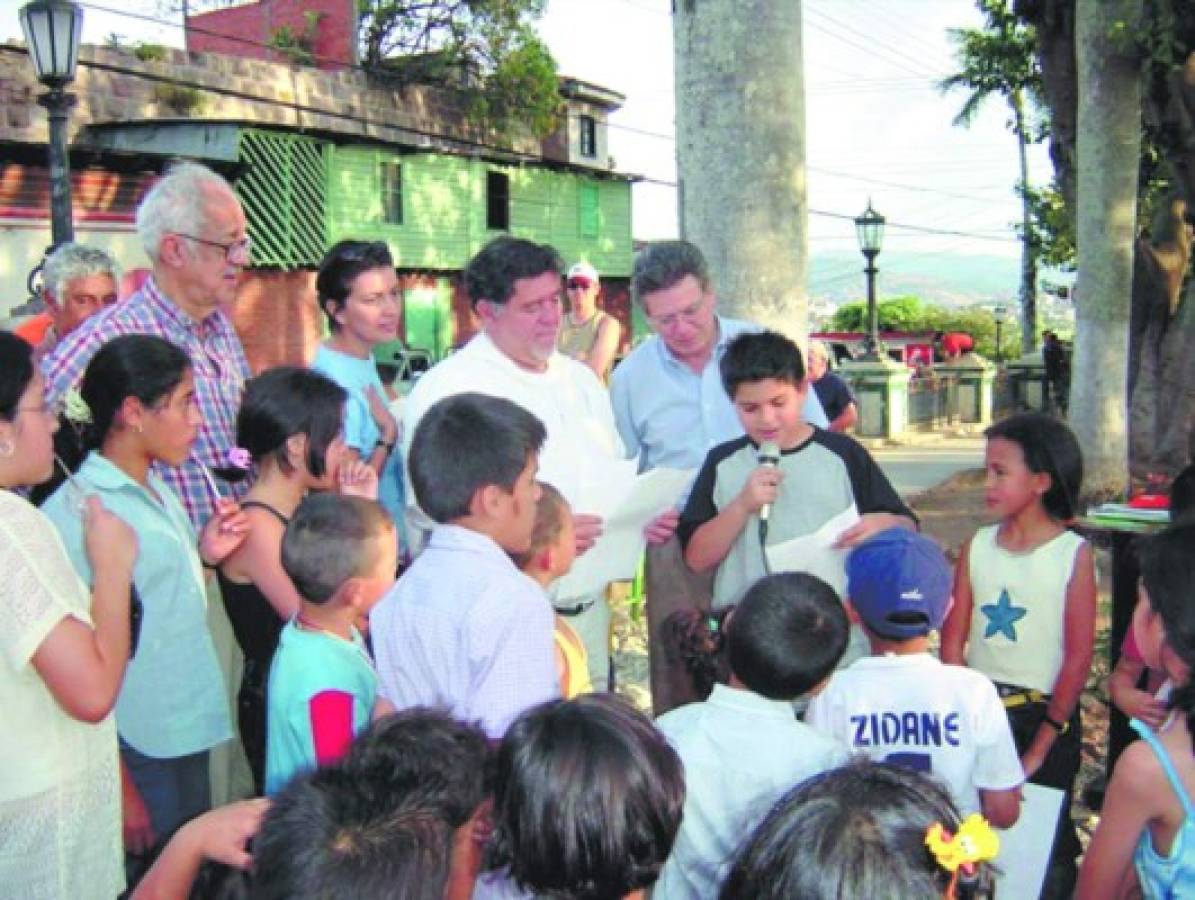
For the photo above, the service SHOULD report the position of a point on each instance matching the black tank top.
(255, 624)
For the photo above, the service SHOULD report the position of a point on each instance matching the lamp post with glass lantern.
(869, 228)
(1000, 314)
(52, 29)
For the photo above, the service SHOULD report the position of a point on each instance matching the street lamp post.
(1000, 314)
(869, 228)
(52, 30)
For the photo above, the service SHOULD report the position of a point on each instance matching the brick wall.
(276, 316)
(235, 31)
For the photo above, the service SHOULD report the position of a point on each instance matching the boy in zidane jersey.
(901, 704)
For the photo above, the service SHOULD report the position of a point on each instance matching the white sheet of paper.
(626, 502)
(1025, 848)
(815, 553)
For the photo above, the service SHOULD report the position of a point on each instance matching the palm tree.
(999, 60)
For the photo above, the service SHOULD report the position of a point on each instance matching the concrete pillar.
(976, 378)
(882, 395)
(1028, 376)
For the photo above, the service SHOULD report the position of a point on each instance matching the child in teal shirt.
(341, 554)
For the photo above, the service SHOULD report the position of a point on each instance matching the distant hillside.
(942, 279)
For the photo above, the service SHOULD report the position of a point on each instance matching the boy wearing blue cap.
(901, 704)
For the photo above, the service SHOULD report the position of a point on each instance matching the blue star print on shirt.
(1001, 617)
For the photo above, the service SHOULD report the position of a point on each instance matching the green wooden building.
(434, 210)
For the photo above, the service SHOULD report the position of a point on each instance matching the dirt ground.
(950, 513)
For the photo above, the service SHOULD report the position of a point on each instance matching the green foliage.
(995, 61)
(912, 314)
(487, 49)
(1053, 231)
(149, 52)
(299, 48)
(179, 98)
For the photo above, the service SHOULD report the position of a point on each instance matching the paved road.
(915, 469)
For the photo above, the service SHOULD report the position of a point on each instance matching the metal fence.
(933, 401)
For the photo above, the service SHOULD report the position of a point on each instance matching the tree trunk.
(1028, 250)
(740, 147)
(1108, 149)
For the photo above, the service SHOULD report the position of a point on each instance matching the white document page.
(815, 553)
(1025, 848)
(626, 502)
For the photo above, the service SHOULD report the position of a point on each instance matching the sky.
(877, 127)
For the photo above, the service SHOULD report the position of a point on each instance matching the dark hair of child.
(782, 638)
(1167, 561)
(381, 825)
(283, 402)
(465, 443)
(759, 355)
(587, 799)
(855, 831)
(329, 540)
(341, 266)
(492, 273)
(698, 640)
(16, 362)
(1050, 447)
(1182, 495)
(549, 521)
(132, 365)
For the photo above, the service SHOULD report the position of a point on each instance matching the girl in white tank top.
(1024, 606)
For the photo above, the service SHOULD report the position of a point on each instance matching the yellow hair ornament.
(974, 842)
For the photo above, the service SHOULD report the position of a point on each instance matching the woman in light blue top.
(1148, 818)
(138, 407)
(358, 291)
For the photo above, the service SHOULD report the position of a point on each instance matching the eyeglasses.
(691, 315)
(232, 250)
(577, 284)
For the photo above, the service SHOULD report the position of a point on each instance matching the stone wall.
(114, 87)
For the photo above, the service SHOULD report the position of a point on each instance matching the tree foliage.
(912, 314)
(998, 61)
(487, 49)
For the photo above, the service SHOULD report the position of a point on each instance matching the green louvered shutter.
(284, 191)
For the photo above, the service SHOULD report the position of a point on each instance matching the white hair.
(71, 261)
(821, 349)
(175, 205)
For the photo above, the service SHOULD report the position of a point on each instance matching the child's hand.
(662, 527)
(1143, 706)
(224, 532)
(869, 524)
(587, 529)
(358, 479)
(134, 819)
(111, 544)
(386, 423)
(761, 489)
(221, 834)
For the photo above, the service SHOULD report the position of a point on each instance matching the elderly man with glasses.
(193, 230)
(671, 408)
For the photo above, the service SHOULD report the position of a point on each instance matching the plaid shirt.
(218, 363)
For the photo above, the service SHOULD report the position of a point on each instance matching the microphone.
(769, 455)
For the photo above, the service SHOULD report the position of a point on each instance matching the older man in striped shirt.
(193, 230)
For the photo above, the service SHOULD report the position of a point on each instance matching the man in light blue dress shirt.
(670, 409)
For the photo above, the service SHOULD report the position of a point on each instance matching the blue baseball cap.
(899, 583)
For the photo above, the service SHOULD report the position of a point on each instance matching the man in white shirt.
(515, 289)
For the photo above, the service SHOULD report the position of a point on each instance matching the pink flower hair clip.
(239, 458)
